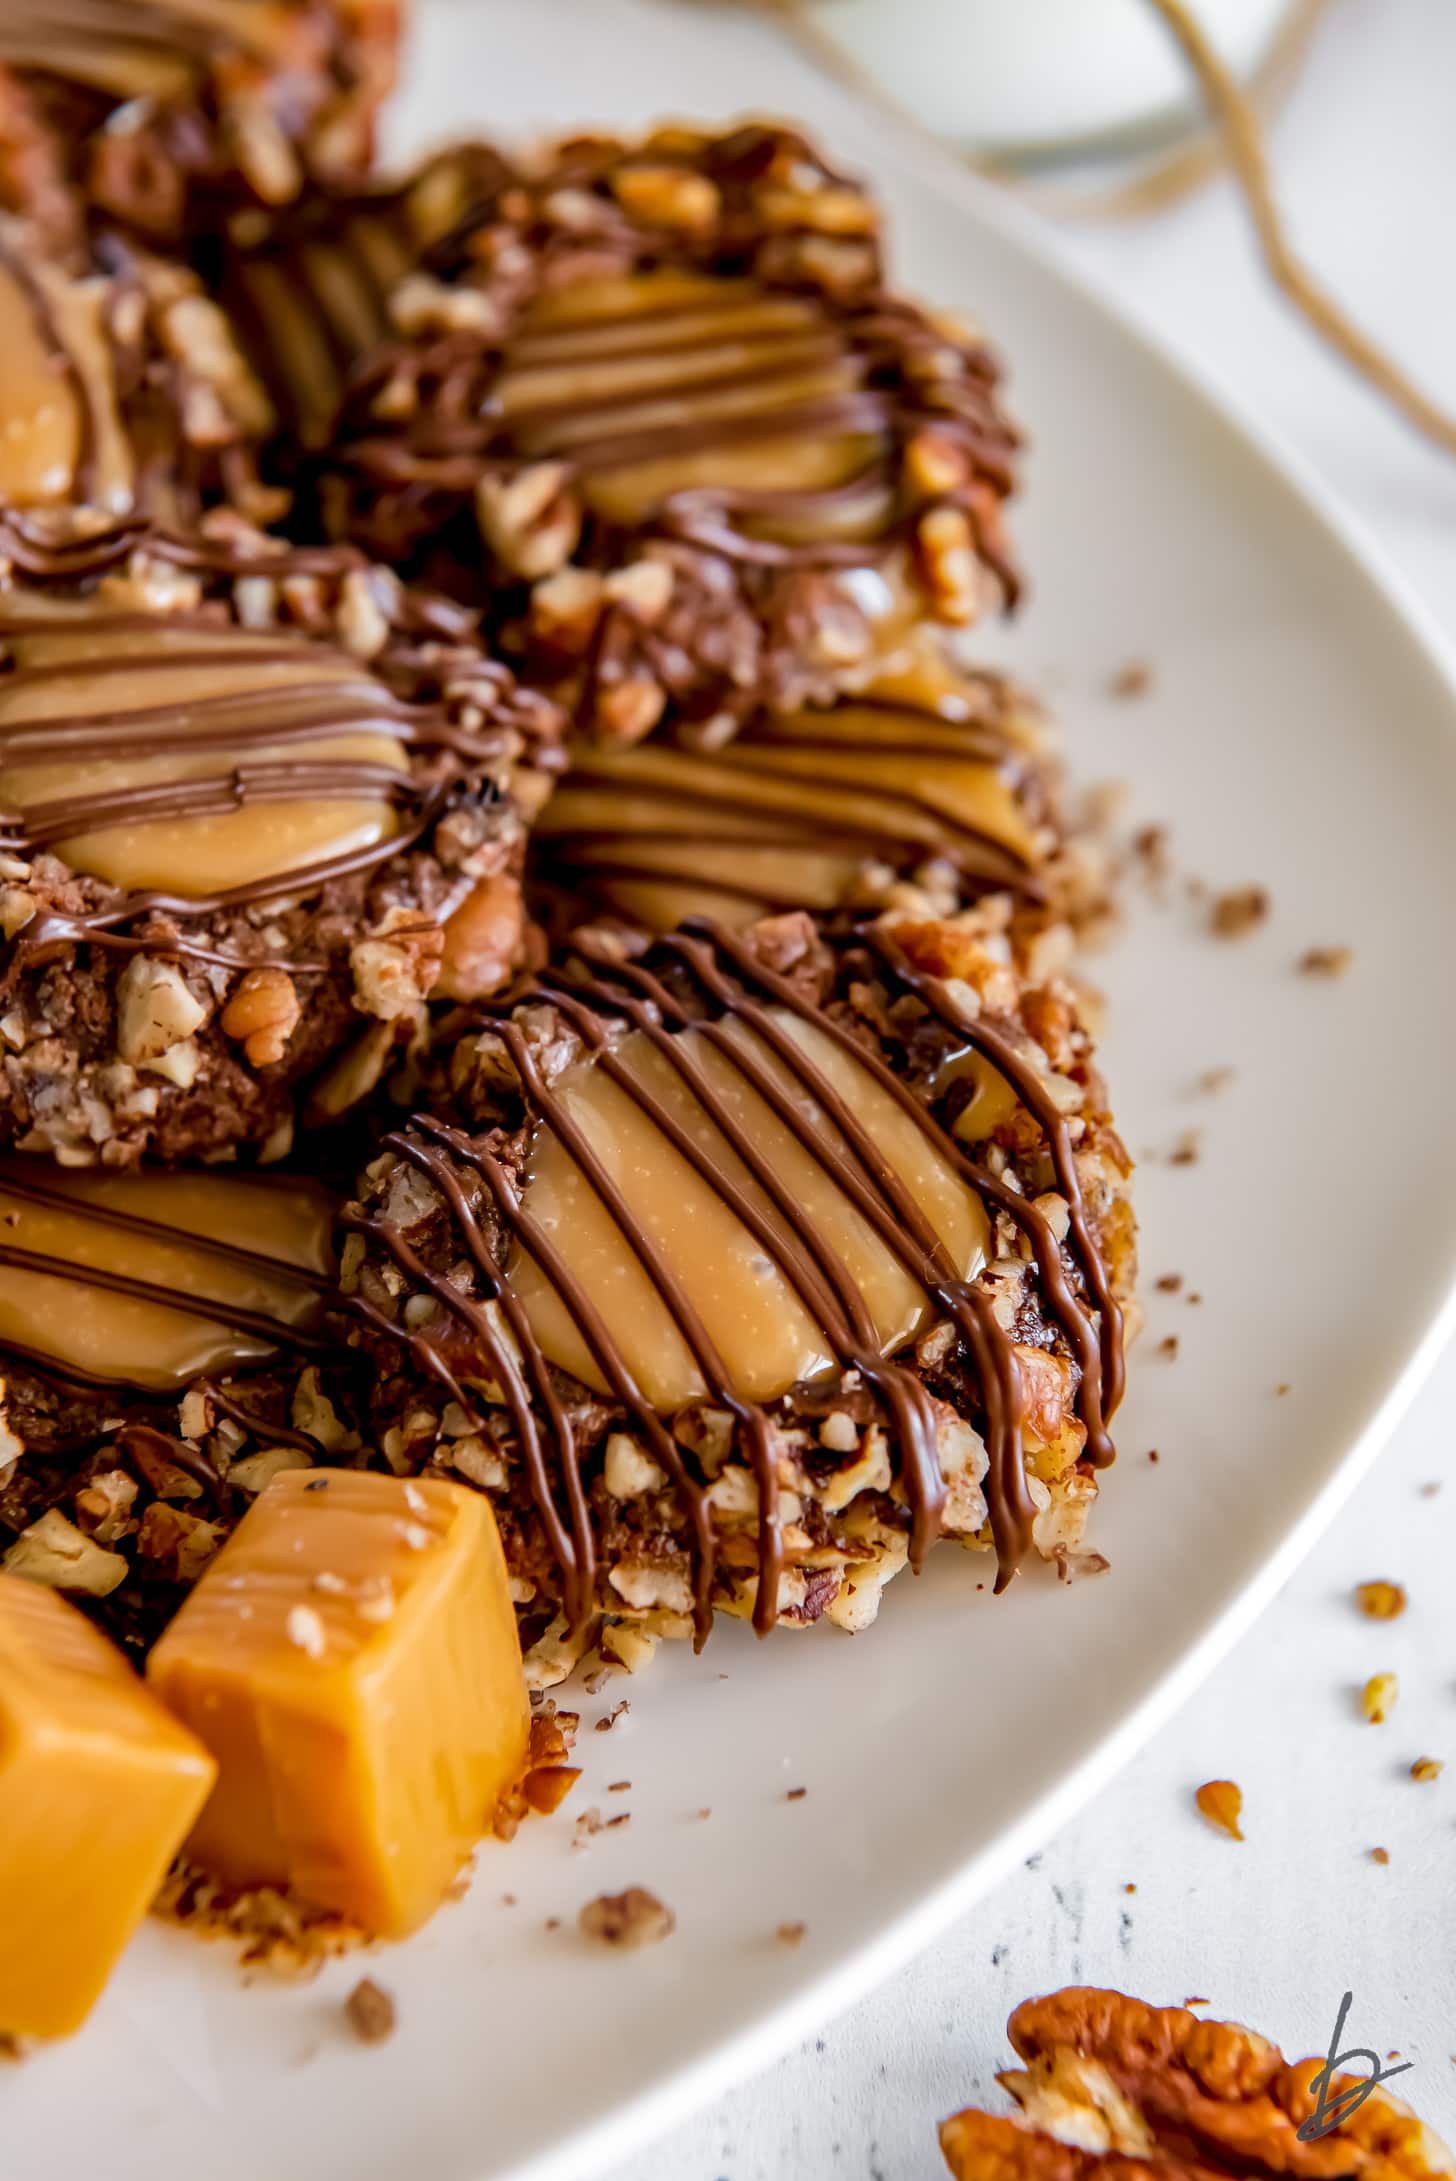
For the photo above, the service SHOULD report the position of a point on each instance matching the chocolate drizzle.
(449, 746)
(1034, 1096)
(277, 1332)
(666, 817)
(687, 342)
(883, 347)
(704, 979)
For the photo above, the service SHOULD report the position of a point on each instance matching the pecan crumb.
(273, 1930)
(1214, 1080)
(1168, 1347)
(1325, 961)
(1242, 909)
(796, 1794)
(627, 1920)
(1185, 1151)
(1154, 1455)
(371, 2012)
(619, 1787)
(791, 1934)
(1381, 1600)
(1150, 846)
(1428, 1768)
(1129, 1887)
(1378, 1698)
(1380, 1855)
(609, 1718)
(1072, 1567)
(1170, 1283)
(705, 1813)
(1222, 1802)
(1134, 679)
(1195, 1999)
(548, 1786)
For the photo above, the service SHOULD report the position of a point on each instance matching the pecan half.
(1221, 2089)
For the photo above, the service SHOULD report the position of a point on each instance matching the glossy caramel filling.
(185, 757)
(991, 1103)
(142, 1331)
(793, 812)
(655, 384)
(40, 417)
(758, 1324)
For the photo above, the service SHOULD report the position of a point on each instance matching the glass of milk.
(1032, 78)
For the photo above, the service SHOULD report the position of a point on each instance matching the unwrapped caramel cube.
(351, 1660)
(98, 1787)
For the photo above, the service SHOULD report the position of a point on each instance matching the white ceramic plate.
(1299, 735)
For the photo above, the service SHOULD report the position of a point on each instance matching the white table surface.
(1274, 1931)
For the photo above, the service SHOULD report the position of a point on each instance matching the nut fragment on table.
(628, 1920)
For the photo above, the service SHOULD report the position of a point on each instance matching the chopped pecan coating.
(157, 115)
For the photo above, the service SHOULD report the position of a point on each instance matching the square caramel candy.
(98, 1788)
(351, 1660)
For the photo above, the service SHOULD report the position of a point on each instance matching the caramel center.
(793, 811)
(189, 758)
(762, 1330)
(40, 421)
(137, 1337)
(660, 383)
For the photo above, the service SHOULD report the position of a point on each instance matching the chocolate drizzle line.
(1018, 1072)
(722, 976)
(881, 1197)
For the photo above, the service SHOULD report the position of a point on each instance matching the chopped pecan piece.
(628, 1920)
(371, 2012)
